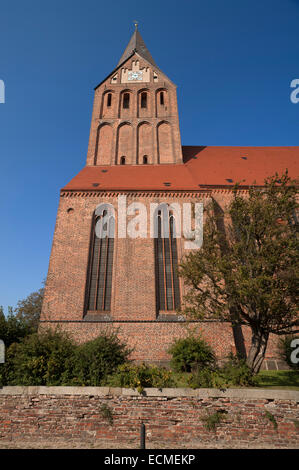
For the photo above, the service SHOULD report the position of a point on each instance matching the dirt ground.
(101, 444)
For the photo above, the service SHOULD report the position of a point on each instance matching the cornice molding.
(140, 193)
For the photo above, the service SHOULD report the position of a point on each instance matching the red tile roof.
(203, 166)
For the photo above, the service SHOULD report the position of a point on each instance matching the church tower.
(135, 113)
(134, 158)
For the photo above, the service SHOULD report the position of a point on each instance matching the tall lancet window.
(166, 260)
(101, 263)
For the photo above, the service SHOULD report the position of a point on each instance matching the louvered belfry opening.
(166, 260)
(101, 265)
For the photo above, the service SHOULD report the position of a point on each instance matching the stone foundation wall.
(173, 417)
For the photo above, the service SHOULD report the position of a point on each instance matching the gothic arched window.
(109, 100)
(143, 100)
(101, 263)
(166, 261)
(126, 100)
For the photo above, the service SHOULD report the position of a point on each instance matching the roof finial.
(136, 24)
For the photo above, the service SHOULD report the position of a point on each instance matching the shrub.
(285, 350)
(38, 359)
(51, 358)
(234, 372)
(191, 353)
(95, 360)
(204, 378)
(140, 376)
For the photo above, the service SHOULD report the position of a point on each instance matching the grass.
(279, 379)
(107, 413)
(211, 421)
(272, 379)
(271, 418)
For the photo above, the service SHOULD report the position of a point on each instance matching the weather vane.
(136, 24)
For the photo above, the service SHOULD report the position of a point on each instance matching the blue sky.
(232, 60)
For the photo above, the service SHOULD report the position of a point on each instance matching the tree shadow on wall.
(236, 326)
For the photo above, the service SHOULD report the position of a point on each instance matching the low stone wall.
(173, 417)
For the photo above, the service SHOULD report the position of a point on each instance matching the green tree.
(12, 329)
(247, 270)
(22, 320)
(28, 310)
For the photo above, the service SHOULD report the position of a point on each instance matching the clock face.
(135, 75)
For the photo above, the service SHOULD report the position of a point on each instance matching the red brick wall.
(173, 417)
(133, 303)
(151, 340)
(133, 284)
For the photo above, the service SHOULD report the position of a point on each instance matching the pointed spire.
(136, 44)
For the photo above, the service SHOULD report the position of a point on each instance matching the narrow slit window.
(145, 159)
(123, 160)
(101, 264)
(126, 101)
(143, 100)
(166, 261)
(162, 98)
(109, 100)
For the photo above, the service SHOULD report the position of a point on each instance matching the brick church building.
(135, 155)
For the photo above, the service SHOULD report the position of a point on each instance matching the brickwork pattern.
(151, 340)
(172, 417)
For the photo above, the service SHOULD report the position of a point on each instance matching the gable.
(135, 63)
